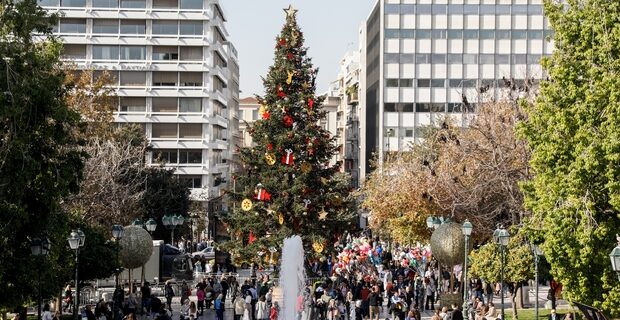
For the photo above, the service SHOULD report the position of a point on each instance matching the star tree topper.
(290, 11)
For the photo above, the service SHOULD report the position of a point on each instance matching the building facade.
(426, 61)
(175, 72)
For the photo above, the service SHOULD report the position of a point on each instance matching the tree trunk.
(515, 292)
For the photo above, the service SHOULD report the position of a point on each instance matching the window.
(455, 83)
(191, 181)
(534, 9)
(165, 78)
(406, 107)
(440, 34)
(133, 52)
(133, 27)
(389, 107)
(218, 84)
(133, 78)
(217, 34)
(164, 105)
(165, 130)
(191, 53)
(440, 9)
(406, 58)
(487, 83)
(502, 34)
(469, 83)
(423, 34)
(407, 9)
(390, 131)
(502, 59)
(470, 9)
(254, 114)
(190, 156)
(105, 3)
(438, 58)
(391, 58)
(407, 33)
(133, 104)
(438, 107)
(190, 130)
(470, 59)
(487, 34)
(218, 61)
(455, 9)
(519, 34)
(423, 107)
(217, 156)
(105, 52)
(487, 9)
(165, 27)
(502, 9)
(165, 156)
(533, 58)
(407, 132)
(519, 9)
(165, 53)
(74, 51)
(190, 79)
(219, 107)
(191, 28)
(422, 58)
(392, 8)
(73, 3)
(136, 4)
(455, 34)
(218, 133)
(470, 34)
(438, 83)
(72, 25)
(454, 107)
(165, 4)
(519, 59)
(105, 26)
(112, 76)
(456, 58)
(191, 4)
(48, 3)
(190, 105)
(391, 83)
(424, 83)
(391, 33)
(487, 59)
(405, 83)
(424, 9)
(535, 34)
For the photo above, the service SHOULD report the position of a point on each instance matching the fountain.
(292, 276)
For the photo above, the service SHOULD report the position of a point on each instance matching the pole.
(464, 284)
(501, 293)
(536, 299)
(76, 305)
(172, 240)
(40, 298)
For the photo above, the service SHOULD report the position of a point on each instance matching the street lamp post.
(117, 234)
(40, 247)
(537, 253)
(171, 222)
(76, 241)
(501, 237)
(614, 256)
(467, 229)
(151, 225)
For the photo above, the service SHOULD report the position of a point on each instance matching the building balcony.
(353, 98)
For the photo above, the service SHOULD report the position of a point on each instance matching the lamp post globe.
(429, 222)
(151, 225)
(74, 240)
(117, 231)
(614, 256)
(436, 222)
(467, 228)
(166, 221)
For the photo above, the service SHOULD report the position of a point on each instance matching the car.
(207, 253)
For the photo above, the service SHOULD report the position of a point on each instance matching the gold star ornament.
(290, 11)
(323, 215)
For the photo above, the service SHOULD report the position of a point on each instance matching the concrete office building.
(175, 72)
(422, 58)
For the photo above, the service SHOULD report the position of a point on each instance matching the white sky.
(330, 28)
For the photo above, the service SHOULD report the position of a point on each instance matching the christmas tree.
(288, 185)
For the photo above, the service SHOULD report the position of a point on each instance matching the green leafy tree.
(290, 162)
(573, 132)
(39, 161)
(519, 264)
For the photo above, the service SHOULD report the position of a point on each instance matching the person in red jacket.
(273, 315)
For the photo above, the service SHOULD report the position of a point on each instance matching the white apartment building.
(176, 74)
(423, 58)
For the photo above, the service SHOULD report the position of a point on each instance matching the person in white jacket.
(261, 309)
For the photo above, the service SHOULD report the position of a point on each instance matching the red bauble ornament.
(282, 42)
(290, 56)
(288, 158)
(310, 103)
(288, 121)
(269, 146)
(281, 93)
(266, 115)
